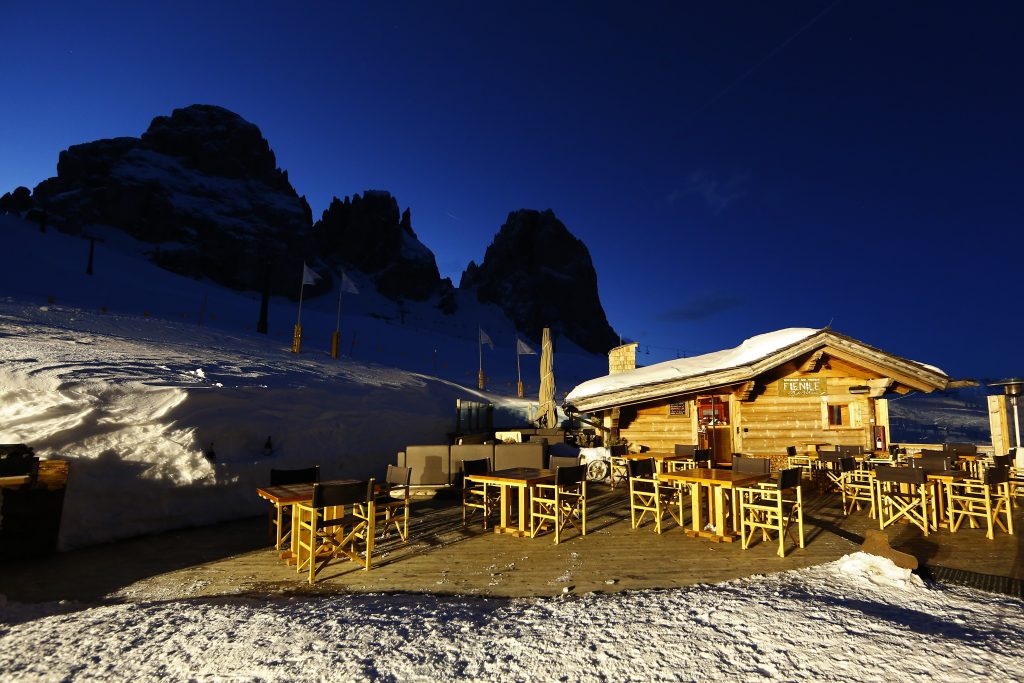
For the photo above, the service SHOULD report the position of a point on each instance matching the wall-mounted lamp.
(860, 389)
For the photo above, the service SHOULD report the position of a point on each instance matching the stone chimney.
(622, 358)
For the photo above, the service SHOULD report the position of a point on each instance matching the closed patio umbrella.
(546, 412)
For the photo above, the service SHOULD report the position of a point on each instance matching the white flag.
(347, 285)
(308, 276)
(485, 339)
(523, 349)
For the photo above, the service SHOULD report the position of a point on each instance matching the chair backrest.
(557, 461)
(850, 450)
(306, 475)
(791, 451)
(1000, 460)
(894, 450)
(829, 458)
(788, 478)
(571, 475)
(702, 455)
(749, 465)
(643, 469)
(996, 475)
(960, 449)
(902, 475)
(934, 461)
(844, 464)
(685, 450)
(471, 467)
(342, 494)
(398, 476)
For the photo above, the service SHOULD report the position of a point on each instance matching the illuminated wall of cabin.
(652, 425)
(767, 423)
(770, 422)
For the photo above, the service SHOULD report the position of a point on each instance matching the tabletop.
(14, 481)
(519, 476)
(726, 478)
(294, 493)
(655, 456)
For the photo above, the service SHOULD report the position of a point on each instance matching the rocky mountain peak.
(215, 141)
(366, 232)
(201, 185)
(542, 276)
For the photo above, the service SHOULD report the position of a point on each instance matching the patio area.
(442, 557)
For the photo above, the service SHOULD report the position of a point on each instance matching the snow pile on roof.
(859, 618)
(750, 350)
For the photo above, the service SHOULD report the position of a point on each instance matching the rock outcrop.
(542, 276)
(367, 233)
(18, 200)
(202, 186)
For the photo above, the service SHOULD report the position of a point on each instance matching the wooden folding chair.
(478, 495)
(837, 473)
(858, 488)
(393, 501)
(563, 503)
(647, 495)
(773, 506)
(339, 522)
(618, 471)
(902, 493)
(987, 497)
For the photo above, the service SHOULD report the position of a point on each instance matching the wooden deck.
(442, 557)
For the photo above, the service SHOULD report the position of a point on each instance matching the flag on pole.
(347, 285)
(523, 349)
(485, 338)
(308, 276)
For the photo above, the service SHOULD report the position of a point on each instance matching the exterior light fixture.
(860, 389)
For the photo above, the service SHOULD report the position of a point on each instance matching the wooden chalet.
(794, 387)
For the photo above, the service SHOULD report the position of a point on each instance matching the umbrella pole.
(480, 372)
(519, 371)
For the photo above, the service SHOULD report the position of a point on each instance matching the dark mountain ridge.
(203, 188)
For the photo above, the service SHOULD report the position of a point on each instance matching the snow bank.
(832, 622)
(140, 405)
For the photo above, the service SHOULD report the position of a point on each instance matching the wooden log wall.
(766, 423)
(651, 425)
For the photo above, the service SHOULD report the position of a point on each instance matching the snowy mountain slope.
(118, 375)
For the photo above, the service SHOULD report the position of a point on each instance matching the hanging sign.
(803, 386)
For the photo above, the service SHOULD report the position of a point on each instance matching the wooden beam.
(744, 391)
(814, 362)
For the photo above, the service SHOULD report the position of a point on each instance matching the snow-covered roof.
(752, 349)
(750, 352)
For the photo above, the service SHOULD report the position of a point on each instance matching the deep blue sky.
(734, 168)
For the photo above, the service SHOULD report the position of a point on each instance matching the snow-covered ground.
(136, 375)
(860, 618)
(115, 372)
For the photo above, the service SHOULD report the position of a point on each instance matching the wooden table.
(521, 479)
(289, 495)
(659, 458)
(715, 482)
